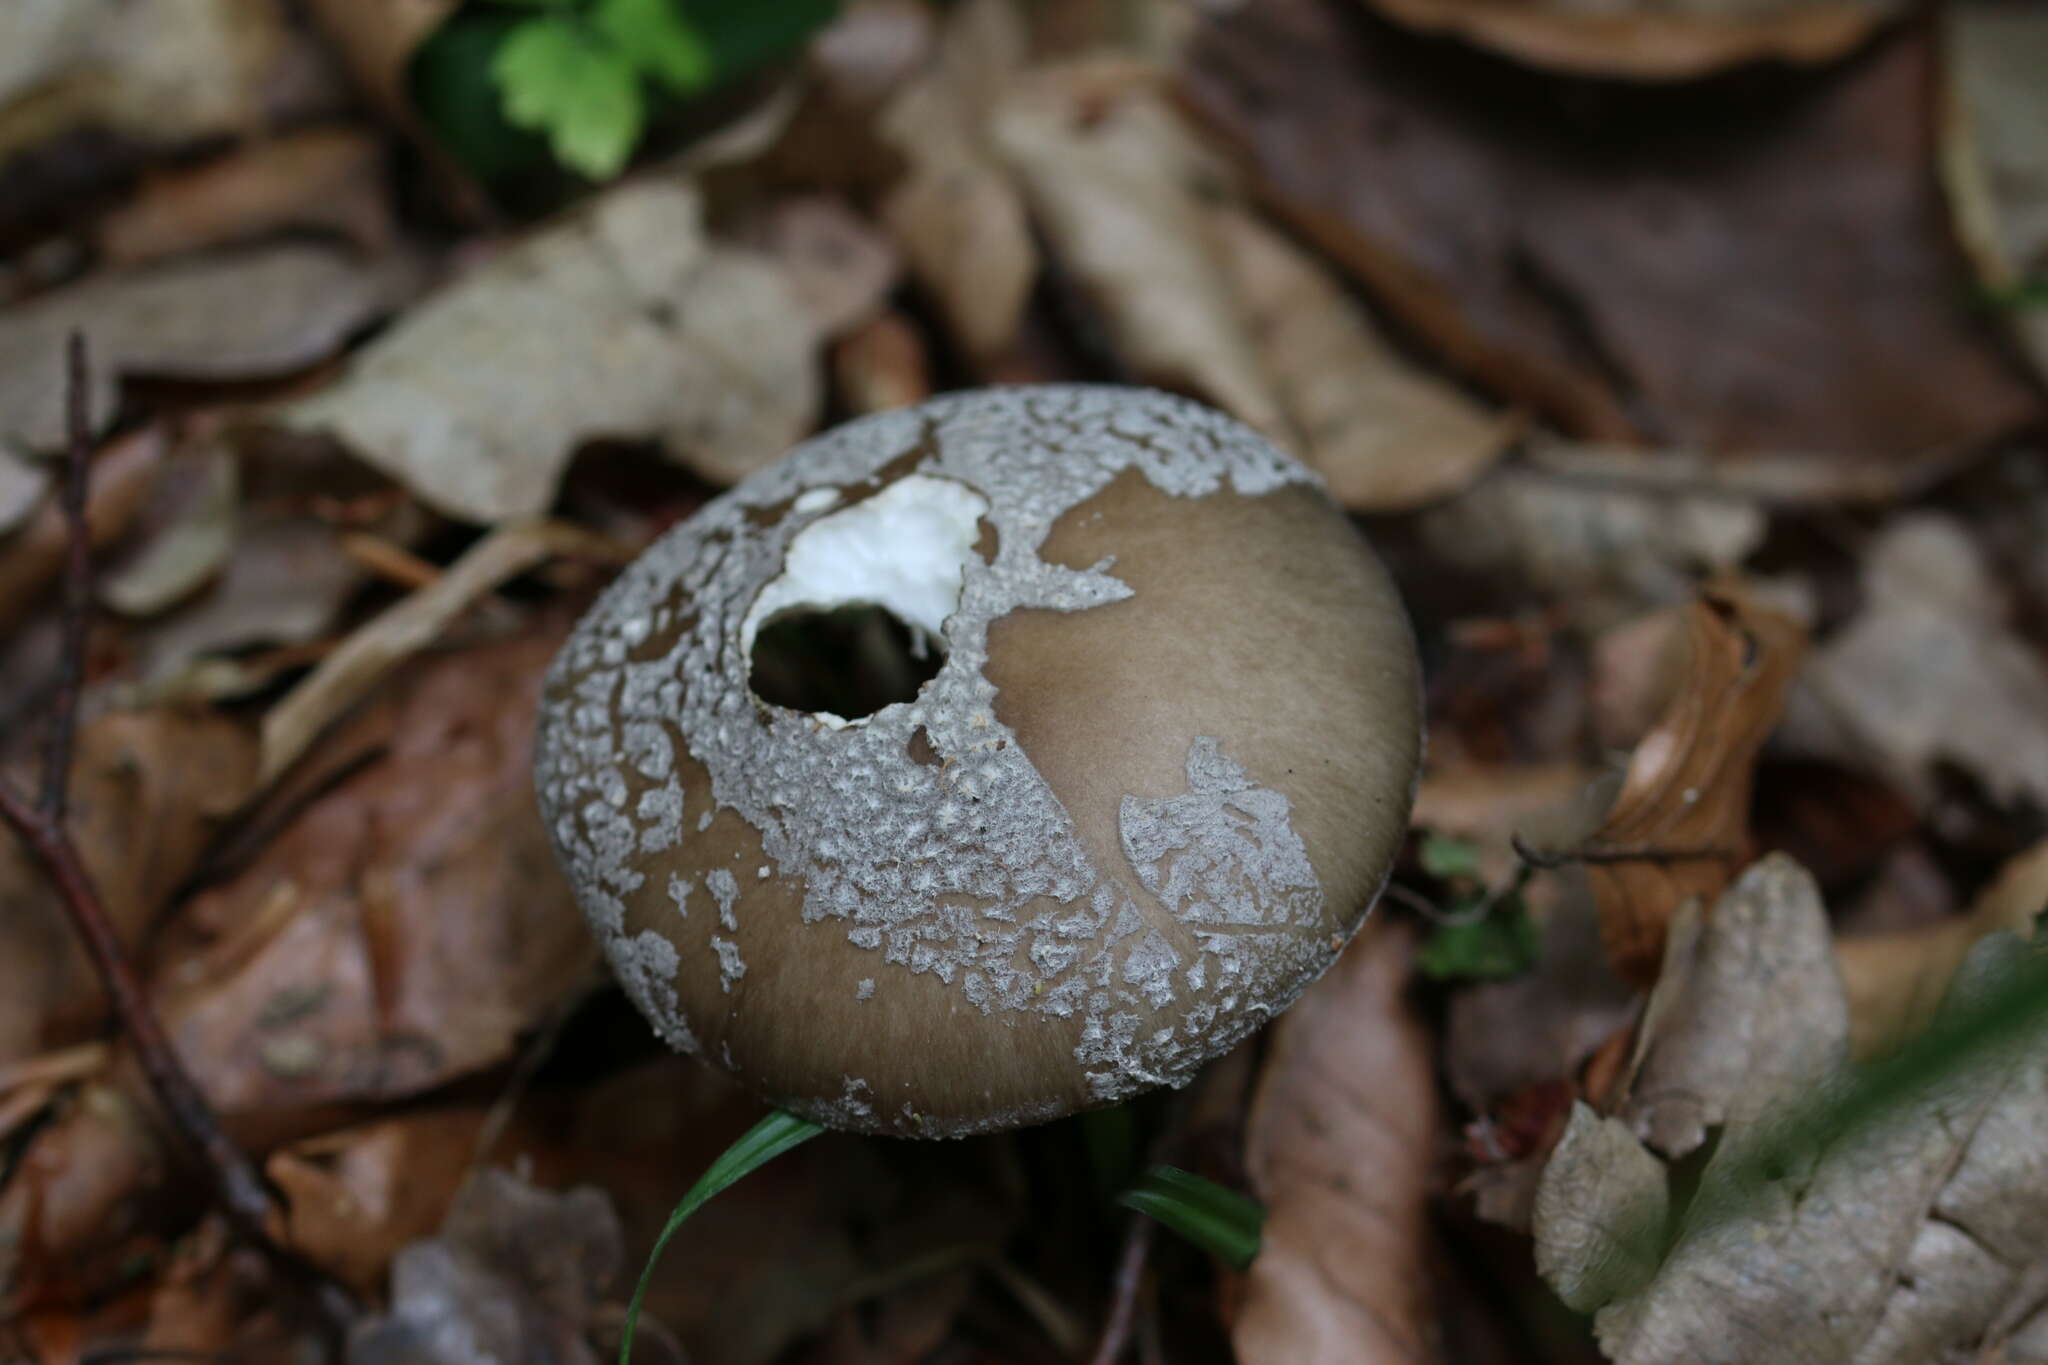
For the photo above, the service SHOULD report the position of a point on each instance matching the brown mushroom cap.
(1153, 788)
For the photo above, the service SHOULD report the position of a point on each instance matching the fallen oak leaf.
(1680, 826)
(1339, 1145)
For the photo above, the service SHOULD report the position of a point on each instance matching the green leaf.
(1444, 857)
(755, 1148)
(656, 38)
(559, 76)
(1219, 1221)
(1503, 942)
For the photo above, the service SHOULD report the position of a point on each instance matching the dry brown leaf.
(1895, 981)
(1679, 828)
(1930, 670)
(1652, 39)
(250, 314)
(1625, 274)
(406, 925)
(1993, 160)
(960, 221)
(326, 178)
(150, 791)
(1115, 182)
(1339, 1146)
(1910, 1238)
(1387, 436)
(623, 321)
(345, 676)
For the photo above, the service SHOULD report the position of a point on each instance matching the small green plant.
(1482, 935)
(1222, 1222)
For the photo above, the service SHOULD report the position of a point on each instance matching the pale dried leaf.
(1615, 550)
(1116, 186)
(246, 315)
(1929, 670)
(189, 534)
(1652, 39)
(1680, 825)
(1596, 1167)
(345, 676)
(1994, 160)
(1339, 1146)
(1384, 434)
(32, 555)
(21, 489)
(1747, 1008)
(1896, 980)
(840, 268)
(959, 219)
(623, 322)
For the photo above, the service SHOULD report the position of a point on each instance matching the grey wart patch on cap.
(888, 848)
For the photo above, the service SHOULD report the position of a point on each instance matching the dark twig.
(1548, 859)
(1123, 1303)
(245, 1198)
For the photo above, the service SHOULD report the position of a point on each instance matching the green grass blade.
(758, 1146)
(1219, 1221)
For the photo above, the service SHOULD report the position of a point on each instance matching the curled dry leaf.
(1896, 980)
(328, 179)
(1994, 161)
(1115, 180)
(959, 219)
(1910, 1237)
(150, 791)
(1625, 275)
(623, 321)
(406, 925)
(246, 315)
(1386, 436)
(1680, 826)
(1652, 39)
(1339, 1146)
(1930, 670)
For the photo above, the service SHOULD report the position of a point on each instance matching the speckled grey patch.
(725, 889)
(730, 967)
(935, 867)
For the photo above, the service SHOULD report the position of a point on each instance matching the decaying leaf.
(1930, 670)
(1608, 551)
(1895, 981)
(327, 179)
(150, 790)
(960, 221)
(1339, 1145)
(246, 315)
(1652, 39)
(623, 321)
(513, 1278)
(406, 925)
(1625, 275)
(187, 533)
(1115, 179)
(1994, 160)
(1387, 436)
(1908, 1237)
(1680, 825)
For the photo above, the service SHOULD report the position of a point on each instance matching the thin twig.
(1547, 859)
(1123, 1303)
(77, 611)
(244, 1197)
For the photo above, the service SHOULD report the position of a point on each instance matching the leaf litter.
(1636, 387)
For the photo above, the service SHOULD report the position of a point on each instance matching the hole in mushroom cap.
(845, 662)
(855, 620)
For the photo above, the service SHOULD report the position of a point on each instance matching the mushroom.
(1145, 780)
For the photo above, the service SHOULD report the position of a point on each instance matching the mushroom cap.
(1153, 788)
